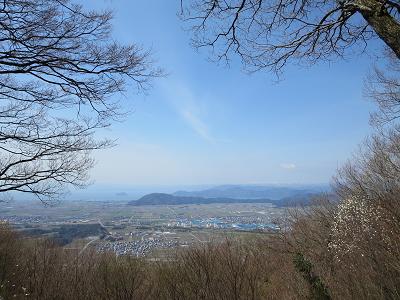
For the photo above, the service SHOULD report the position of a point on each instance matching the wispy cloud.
(288, 166)
(197, 124)
(188, 107)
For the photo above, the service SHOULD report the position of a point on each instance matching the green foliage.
(318, 289)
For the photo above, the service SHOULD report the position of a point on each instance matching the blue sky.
(209, 124)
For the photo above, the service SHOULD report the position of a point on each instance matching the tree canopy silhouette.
(271, 33)
(59, 68)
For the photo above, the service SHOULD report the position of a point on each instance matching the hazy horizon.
(131, 192)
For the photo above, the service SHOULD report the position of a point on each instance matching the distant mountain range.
(277, 195)
(255, 191)
(168, 199)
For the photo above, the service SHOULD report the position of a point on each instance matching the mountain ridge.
(254, 191)
(170, 199)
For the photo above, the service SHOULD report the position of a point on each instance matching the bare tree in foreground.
(382, 86)
(58, 70)
(271, 33)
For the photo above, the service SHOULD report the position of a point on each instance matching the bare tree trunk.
(385, 26)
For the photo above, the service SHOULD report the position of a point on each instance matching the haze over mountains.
(254, 191)
(279, 196)
(107, 192)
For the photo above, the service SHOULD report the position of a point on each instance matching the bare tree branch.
(270, 33)
(59, 69)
